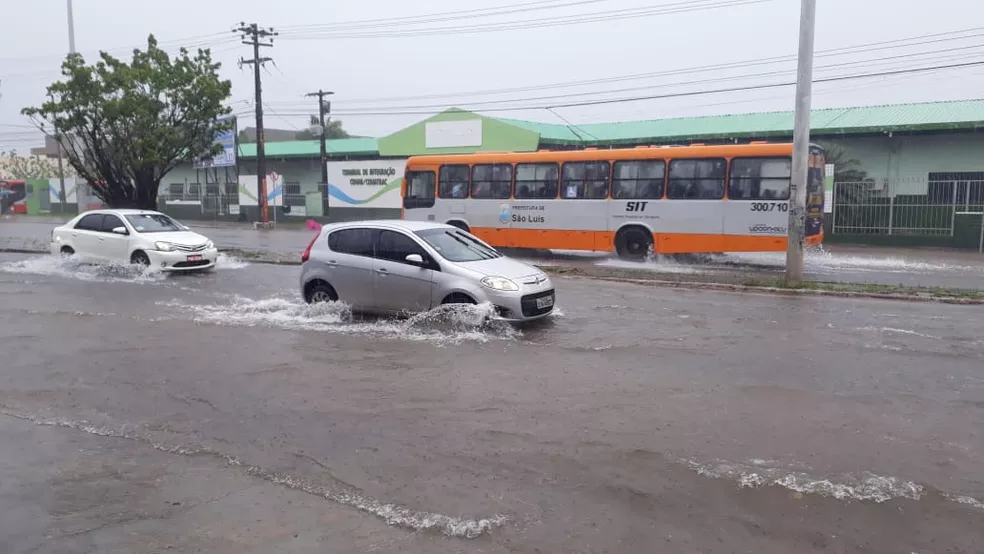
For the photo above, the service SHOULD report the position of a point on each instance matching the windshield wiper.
(469, 247)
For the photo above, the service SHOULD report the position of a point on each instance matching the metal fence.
(940, 207)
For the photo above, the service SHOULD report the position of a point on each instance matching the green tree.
(126, 125)
(333, 130)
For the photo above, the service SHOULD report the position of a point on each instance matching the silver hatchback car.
(413, 266)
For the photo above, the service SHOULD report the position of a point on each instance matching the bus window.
(491, 181)
(697, 179)
(760, 178)
(453, 181)
(536, 180)
(585, 180)
(420, 189)
(642, 179)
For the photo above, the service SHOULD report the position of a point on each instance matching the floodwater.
(834, 263)
(637, 419)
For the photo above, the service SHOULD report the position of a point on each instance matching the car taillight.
(307, 251)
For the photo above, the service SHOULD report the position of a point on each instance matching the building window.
(641, 179)
(585, 180)
(963, 189)
(697, 179)
(536, 180)
(453, 181)
(491, 181)
(760, 179)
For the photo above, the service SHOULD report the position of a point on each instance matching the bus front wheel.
(633, 243)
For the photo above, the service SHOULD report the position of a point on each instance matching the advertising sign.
(365, 184)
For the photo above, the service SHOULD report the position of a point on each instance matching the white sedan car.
(141, 237)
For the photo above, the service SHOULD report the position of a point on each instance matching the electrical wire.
(414, 111)
(892, 60)
(611, 15)
(834, 52)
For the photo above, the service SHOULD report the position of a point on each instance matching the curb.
(696, 285)
(690, 285)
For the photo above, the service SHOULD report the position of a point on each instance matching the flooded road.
(838, 263)
(636, 419)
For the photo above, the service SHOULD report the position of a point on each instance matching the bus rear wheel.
(633, 243)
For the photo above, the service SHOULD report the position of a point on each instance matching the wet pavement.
(218, 413)
(838, 263)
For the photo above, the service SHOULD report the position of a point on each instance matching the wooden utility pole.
(324, 108)
(253, 35)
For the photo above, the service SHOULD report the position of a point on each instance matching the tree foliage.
(333, 130)
(125, 125)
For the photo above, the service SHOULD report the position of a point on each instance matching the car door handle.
(102, 239)
(332, 263)
(381, 270)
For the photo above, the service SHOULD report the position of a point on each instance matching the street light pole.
(801, 146)
(58, 137)
(71, 28)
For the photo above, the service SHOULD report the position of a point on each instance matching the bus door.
(692, 217)
(419, 195)
(452, 188)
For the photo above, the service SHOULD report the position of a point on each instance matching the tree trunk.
(147, 188)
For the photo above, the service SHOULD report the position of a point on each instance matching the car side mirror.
(415, 259)
(120, 231)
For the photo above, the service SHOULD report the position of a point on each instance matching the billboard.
(366, 184)
(227, 140)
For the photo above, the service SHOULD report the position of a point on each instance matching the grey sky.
(35, 38)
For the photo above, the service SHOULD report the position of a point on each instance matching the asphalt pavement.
(838, 263)
(218, 413)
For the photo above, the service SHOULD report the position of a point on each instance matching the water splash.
(451, 323)
(72, 268)
(865, 487)
(392, 514)
(225, 261)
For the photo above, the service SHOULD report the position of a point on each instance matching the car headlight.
(209, 245)
(500, 283)
(163, 246)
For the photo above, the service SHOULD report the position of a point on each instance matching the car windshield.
(455, 245)
(153, 223)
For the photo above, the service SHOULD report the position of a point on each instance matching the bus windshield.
(457, 246)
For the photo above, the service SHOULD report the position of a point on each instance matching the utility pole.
(71, 27)
(801, 146)
(252, 35)
(58, 136)
(323, 109)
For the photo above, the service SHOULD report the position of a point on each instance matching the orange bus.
(634, 201)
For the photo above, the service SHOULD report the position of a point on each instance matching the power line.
(612, 15)
(688, 93)
(446, 16)
(834, 52)
(874, 61)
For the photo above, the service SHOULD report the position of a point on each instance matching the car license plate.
(195, 258)
(545, 302)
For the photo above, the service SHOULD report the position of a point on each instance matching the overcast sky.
(375, 55)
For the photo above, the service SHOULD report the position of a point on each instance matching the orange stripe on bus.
(604, 241)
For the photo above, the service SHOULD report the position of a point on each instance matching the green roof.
(930, 116)
(312, 148)
(960, 115)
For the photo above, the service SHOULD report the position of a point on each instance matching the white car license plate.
(195, 258)
(545, 302)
